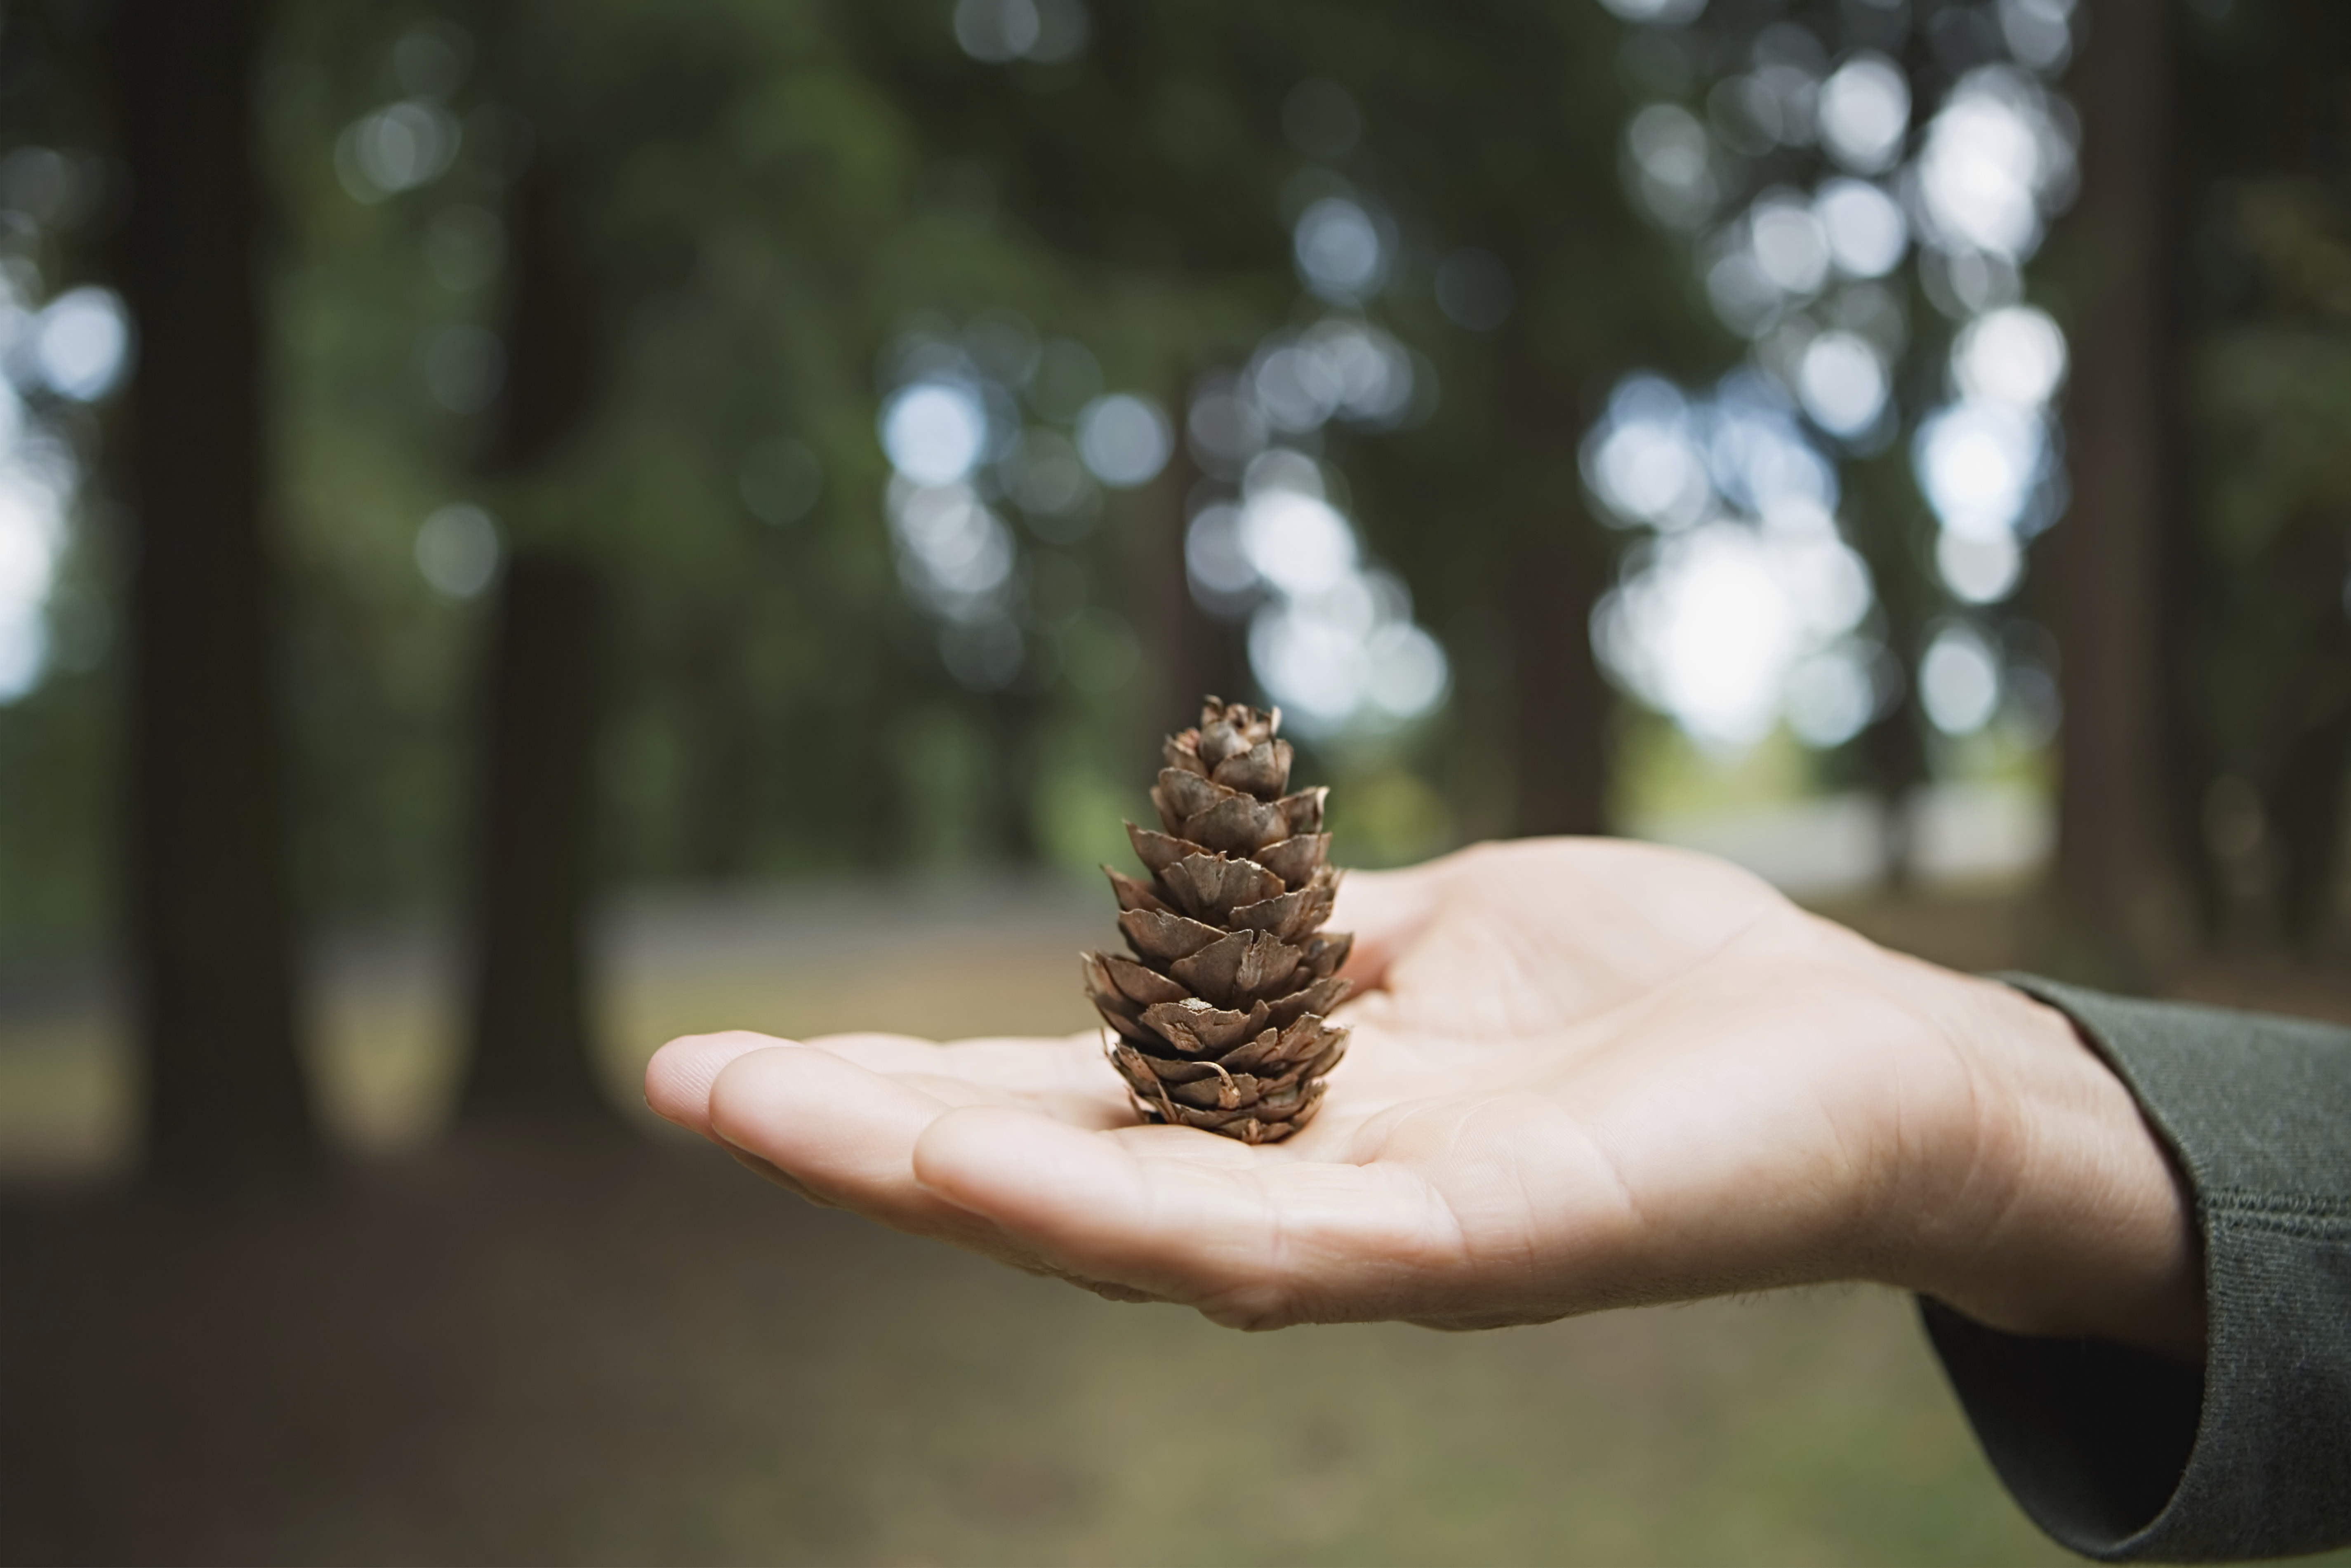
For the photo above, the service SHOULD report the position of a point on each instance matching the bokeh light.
(1349, 656)
(1843, 383)
(1670, 157)
(1045, 31)
(32, 537)
(1985, 463)
(1643, 460)
(1958, 679)
(397, 148)
(1124, 439)
(1993, 153)
(1330, 637)
(2039, 33)
(1791, 250)
(1340, 251)
(933, 431)
(1831, 695)
(967, 460)
(1665, 13)
(1223, 578)
(1979, 464)
(458, 550)
(1338, 369)
(1865, 113)
(1865, 229)
(1742, 607)
(1979, 569)
(1299, 543)
(2014, 356)
(1702, 633)
(82, 343)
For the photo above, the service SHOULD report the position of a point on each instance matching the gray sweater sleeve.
(2126, 1457)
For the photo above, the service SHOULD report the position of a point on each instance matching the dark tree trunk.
(1893, 745)
(1187, 654)
(1562, 704)
(532, 1048)
(531, 1032)
(211, 938)
(2116, 870)
(2305, 797)
(551, 326)
(723, 723)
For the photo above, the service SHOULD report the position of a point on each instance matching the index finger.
(1249, 1239)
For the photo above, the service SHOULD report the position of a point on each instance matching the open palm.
(1583, 1074)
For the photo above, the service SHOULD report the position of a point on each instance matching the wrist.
(2060, 1212)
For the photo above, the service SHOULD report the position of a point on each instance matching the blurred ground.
(624, 1349)
(545, 1353)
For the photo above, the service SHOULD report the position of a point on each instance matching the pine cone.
(1220, 1015)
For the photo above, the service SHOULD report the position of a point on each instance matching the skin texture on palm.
(1585, 1074)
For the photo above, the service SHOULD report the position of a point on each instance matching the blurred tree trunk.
(2305, 803)
(211, 938)
(532, 1048)
(1187, 654)
(1892, 744)
(2117, 871)
(723, 724)
(531, 1032)
(1560, 702)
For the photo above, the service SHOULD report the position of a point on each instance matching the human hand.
(1585, 1074)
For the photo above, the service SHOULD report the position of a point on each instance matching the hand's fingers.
(1066, 1078)
(842, 1135)
(766, 1172)
(678, 1078)
(1252, 1242)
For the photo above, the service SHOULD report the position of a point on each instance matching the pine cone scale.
(1165, 938)
(1141, 983)
(1210, 887)
(1218, 1017)
(1261, 771)
(1296, 858)
(1134, 894)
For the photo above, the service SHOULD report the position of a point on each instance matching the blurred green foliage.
(761, 198)
(2263, 573)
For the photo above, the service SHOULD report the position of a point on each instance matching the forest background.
(469, 464)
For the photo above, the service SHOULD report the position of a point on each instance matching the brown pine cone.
(1220, 1015)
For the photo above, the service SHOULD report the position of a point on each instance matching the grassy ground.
(619, 1348)
(572, 1352)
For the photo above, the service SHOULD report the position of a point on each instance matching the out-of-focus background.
(526, 529)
